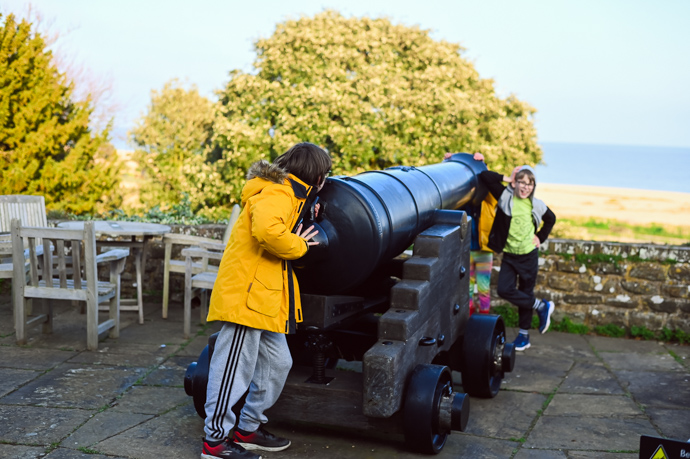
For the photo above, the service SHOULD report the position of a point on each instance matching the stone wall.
(595, 283)
(600, 283)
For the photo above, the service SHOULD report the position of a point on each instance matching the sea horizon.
(617, 166)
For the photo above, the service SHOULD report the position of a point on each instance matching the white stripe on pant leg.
(225, 390)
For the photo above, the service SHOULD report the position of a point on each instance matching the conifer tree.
(46, 144)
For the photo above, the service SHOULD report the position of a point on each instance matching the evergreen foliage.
(46, 145)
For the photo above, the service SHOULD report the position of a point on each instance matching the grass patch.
(614, 230)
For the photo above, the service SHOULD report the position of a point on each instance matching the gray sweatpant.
(244, 358)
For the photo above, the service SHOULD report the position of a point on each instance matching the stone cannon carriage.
(405, 317)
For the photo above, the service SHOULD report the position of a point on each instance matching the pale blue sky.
(598, 71)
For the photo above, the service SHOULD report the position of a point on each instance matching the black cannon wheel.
(421, 410)
(196, 376)
(196, 379)
(482, 369)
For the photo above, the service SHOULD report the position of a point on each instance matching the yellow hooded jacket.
(255, 285)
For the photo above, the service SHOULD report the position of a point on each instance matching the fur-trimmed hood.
(267, 171)
(263, 174)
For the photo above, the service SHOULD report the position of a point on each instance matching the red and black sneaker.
(225, 449)
(262, 440)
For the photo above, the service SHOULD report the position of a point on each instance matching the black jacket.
(504, 195)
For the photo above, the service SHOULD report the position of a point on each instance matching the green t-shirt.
(521, 232)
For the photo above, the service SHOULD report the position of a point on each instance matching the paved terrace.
(570, 396)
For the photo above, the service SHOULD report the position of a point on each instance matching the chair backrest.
(234, 215)
(62, 273)
(29, 210)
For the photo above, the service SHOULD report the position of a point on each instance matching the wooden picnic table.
(138, 234)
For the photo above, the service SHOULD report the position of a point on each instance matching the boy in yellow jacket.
(257, 297)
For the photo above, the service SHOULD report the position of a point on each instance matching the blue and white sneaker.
(521, 342)
(545, 315)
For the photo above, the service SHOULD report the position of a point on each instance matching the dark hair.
(306, 161)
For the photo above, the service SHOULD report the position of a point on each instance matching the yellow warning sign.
(660, 453)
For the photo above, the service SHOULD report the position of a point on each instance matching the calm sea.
(647, 168)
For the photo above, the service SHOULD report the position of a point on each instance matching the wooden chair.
(178, 266)
(6, 270)
(77, 283)
(198, 283)
(31, 211)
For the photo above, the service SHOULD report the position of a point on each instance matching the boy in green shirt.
(522, 224)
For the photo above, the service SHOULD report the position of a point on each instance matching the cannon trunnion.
(405, 318)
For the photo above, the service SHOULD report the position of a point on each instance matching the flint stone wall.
(639, 285)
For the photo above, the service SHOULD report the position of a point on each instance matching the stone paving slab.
(62, 453)
(318, 443)
(21, 452)
(559, 345)
(540, 454)
(32, 425)
(506, 416)
(75, 386)
(102, 426)
(607, 344)
(592, 406)
(120, 353)
(11, 379)
(590, 378)
(69, 328)
(30, 359)
(600, 455)
(657, 389)
(683, 353)
(176, 433)
(151, 400)
(600, 434)
(658, 361)
(536, 373)
(170, 373)
(198, 343)
(673, 423)
(162, 332)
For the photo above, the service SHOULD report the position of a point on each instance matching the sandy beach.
(638, 207)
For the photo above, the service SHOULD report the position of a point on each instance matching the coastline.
(634, 206)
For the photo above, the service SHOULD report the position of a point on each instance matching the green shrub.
(642, 333)
(509, 314)
(611, 330)
(568, 326)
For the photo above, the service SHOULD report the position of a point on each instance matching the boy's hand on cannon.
(478, 157)
(307, 234)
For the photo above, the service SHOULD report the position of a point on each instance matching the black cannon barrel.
(372, 217)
